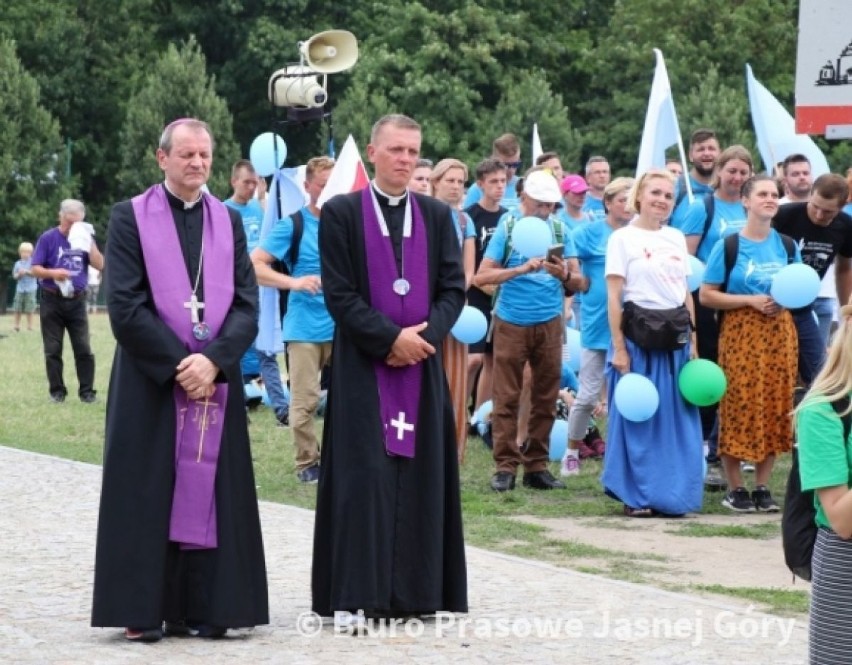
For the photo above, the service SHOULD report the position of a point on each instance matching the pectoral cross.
(194, 305)
(401, 425)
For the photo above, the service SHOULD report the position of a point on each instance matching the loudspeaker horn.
(330, 51)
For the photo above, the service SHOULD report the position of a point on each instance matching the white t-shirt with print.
(654, 264)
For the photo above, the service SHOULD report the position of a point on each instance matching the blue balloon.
(252, 390)
(483, 413)
(575, 349)
(531, 237)
(558, 439)
(694, 280)
(796, 285)
(636, 397)
(471, 326)
(262, 153)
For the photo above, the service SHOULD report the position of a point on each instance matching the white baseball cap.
(542, 186)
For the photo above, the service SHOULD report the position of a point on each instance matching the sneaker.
(599, 446)
(310, 475)
(739, 501)
(57, 398)
(763, 501)
(714, 481)
(88, 398)
(283, 419)
(570, 466)
(487, 438)
(586, 451)
(542, 480)
(747, 467)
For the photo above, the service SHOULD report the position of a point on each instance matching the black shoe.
(143, 634)
(310, 475)
(283, 419)
(542, 480)
(58, 398)
(184, 629)
(739, 501)
(503, 481)
(88, 398)
(763, 501)
(714, 481)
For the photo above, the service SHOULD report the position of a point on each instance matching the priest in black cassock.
(388, 536)
(179, 548)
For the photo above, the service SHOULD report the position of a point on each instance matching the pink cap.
(574, 183)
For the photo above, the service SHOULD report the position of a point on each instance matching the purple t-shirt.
(53, 251)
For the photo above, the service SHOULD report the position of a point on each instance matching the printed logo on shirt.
(667, 263)
(727, 228)
(758, 276)
(70, 259)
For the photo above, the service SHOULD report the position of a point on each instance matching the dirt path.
(664, 556)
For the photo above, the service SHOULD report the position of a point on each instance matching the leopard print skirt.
(758, 354)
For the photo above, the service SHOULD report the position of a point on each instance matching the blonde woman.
(825, 467)
(653, 467)
(758, 348)
(447, 181)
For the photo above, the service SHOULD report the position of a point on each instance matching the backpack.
(798, 525)
(289, 264)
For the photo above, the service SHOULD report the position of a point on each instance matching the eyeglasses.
(513, 165)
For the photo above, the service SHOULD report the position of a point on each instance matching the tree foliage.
(176, 87)
(31, 158)
(111, 75)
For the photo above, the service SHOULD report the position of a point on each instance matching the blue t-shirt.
(699, 189)
(848, 208)
(594, 208)
(26, 283)
(53, 251)
(590, 241)
(469, 229)
(756, 265)
(728, 218)
(252, 214)
(533, 298)
(570, 223)
(307, 318)
(510, 197)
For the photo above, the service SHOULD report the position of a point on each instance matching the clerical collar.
(387, 199)
(187, 205)
(378, 196)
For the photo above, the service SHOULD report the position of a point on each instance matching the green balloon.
(702, 382)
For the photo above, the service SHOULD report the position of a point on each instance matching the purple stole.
(200, 423)
(399, 387)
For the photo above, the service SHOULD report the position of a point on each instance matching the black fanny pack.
(656, 329)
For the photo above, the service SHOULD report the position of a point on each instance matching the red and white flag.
(348, 174)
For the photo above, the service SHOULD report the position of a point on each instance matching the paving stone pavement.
(520, 610)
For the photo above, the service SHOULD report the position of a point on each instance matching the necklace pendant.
(201, 331)
(401, 286)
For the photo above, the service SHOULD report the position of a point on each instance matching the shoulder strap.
(296, 240)
(710, 207)
(840, 405)
(558, 231)
(789, 246)
(507, 248)
(732, 250)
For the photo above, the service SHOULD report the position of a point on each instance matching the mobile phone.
(555, 252)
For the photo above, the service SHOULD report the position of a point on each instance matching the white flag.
(661, 128)
(348, 174)
(775, 130)
(536, 143)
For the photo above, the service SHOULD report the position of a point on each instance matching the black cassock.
(141, 578)
(388, 535)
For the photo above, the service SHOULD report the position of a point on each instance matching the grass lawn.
(75, 430)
